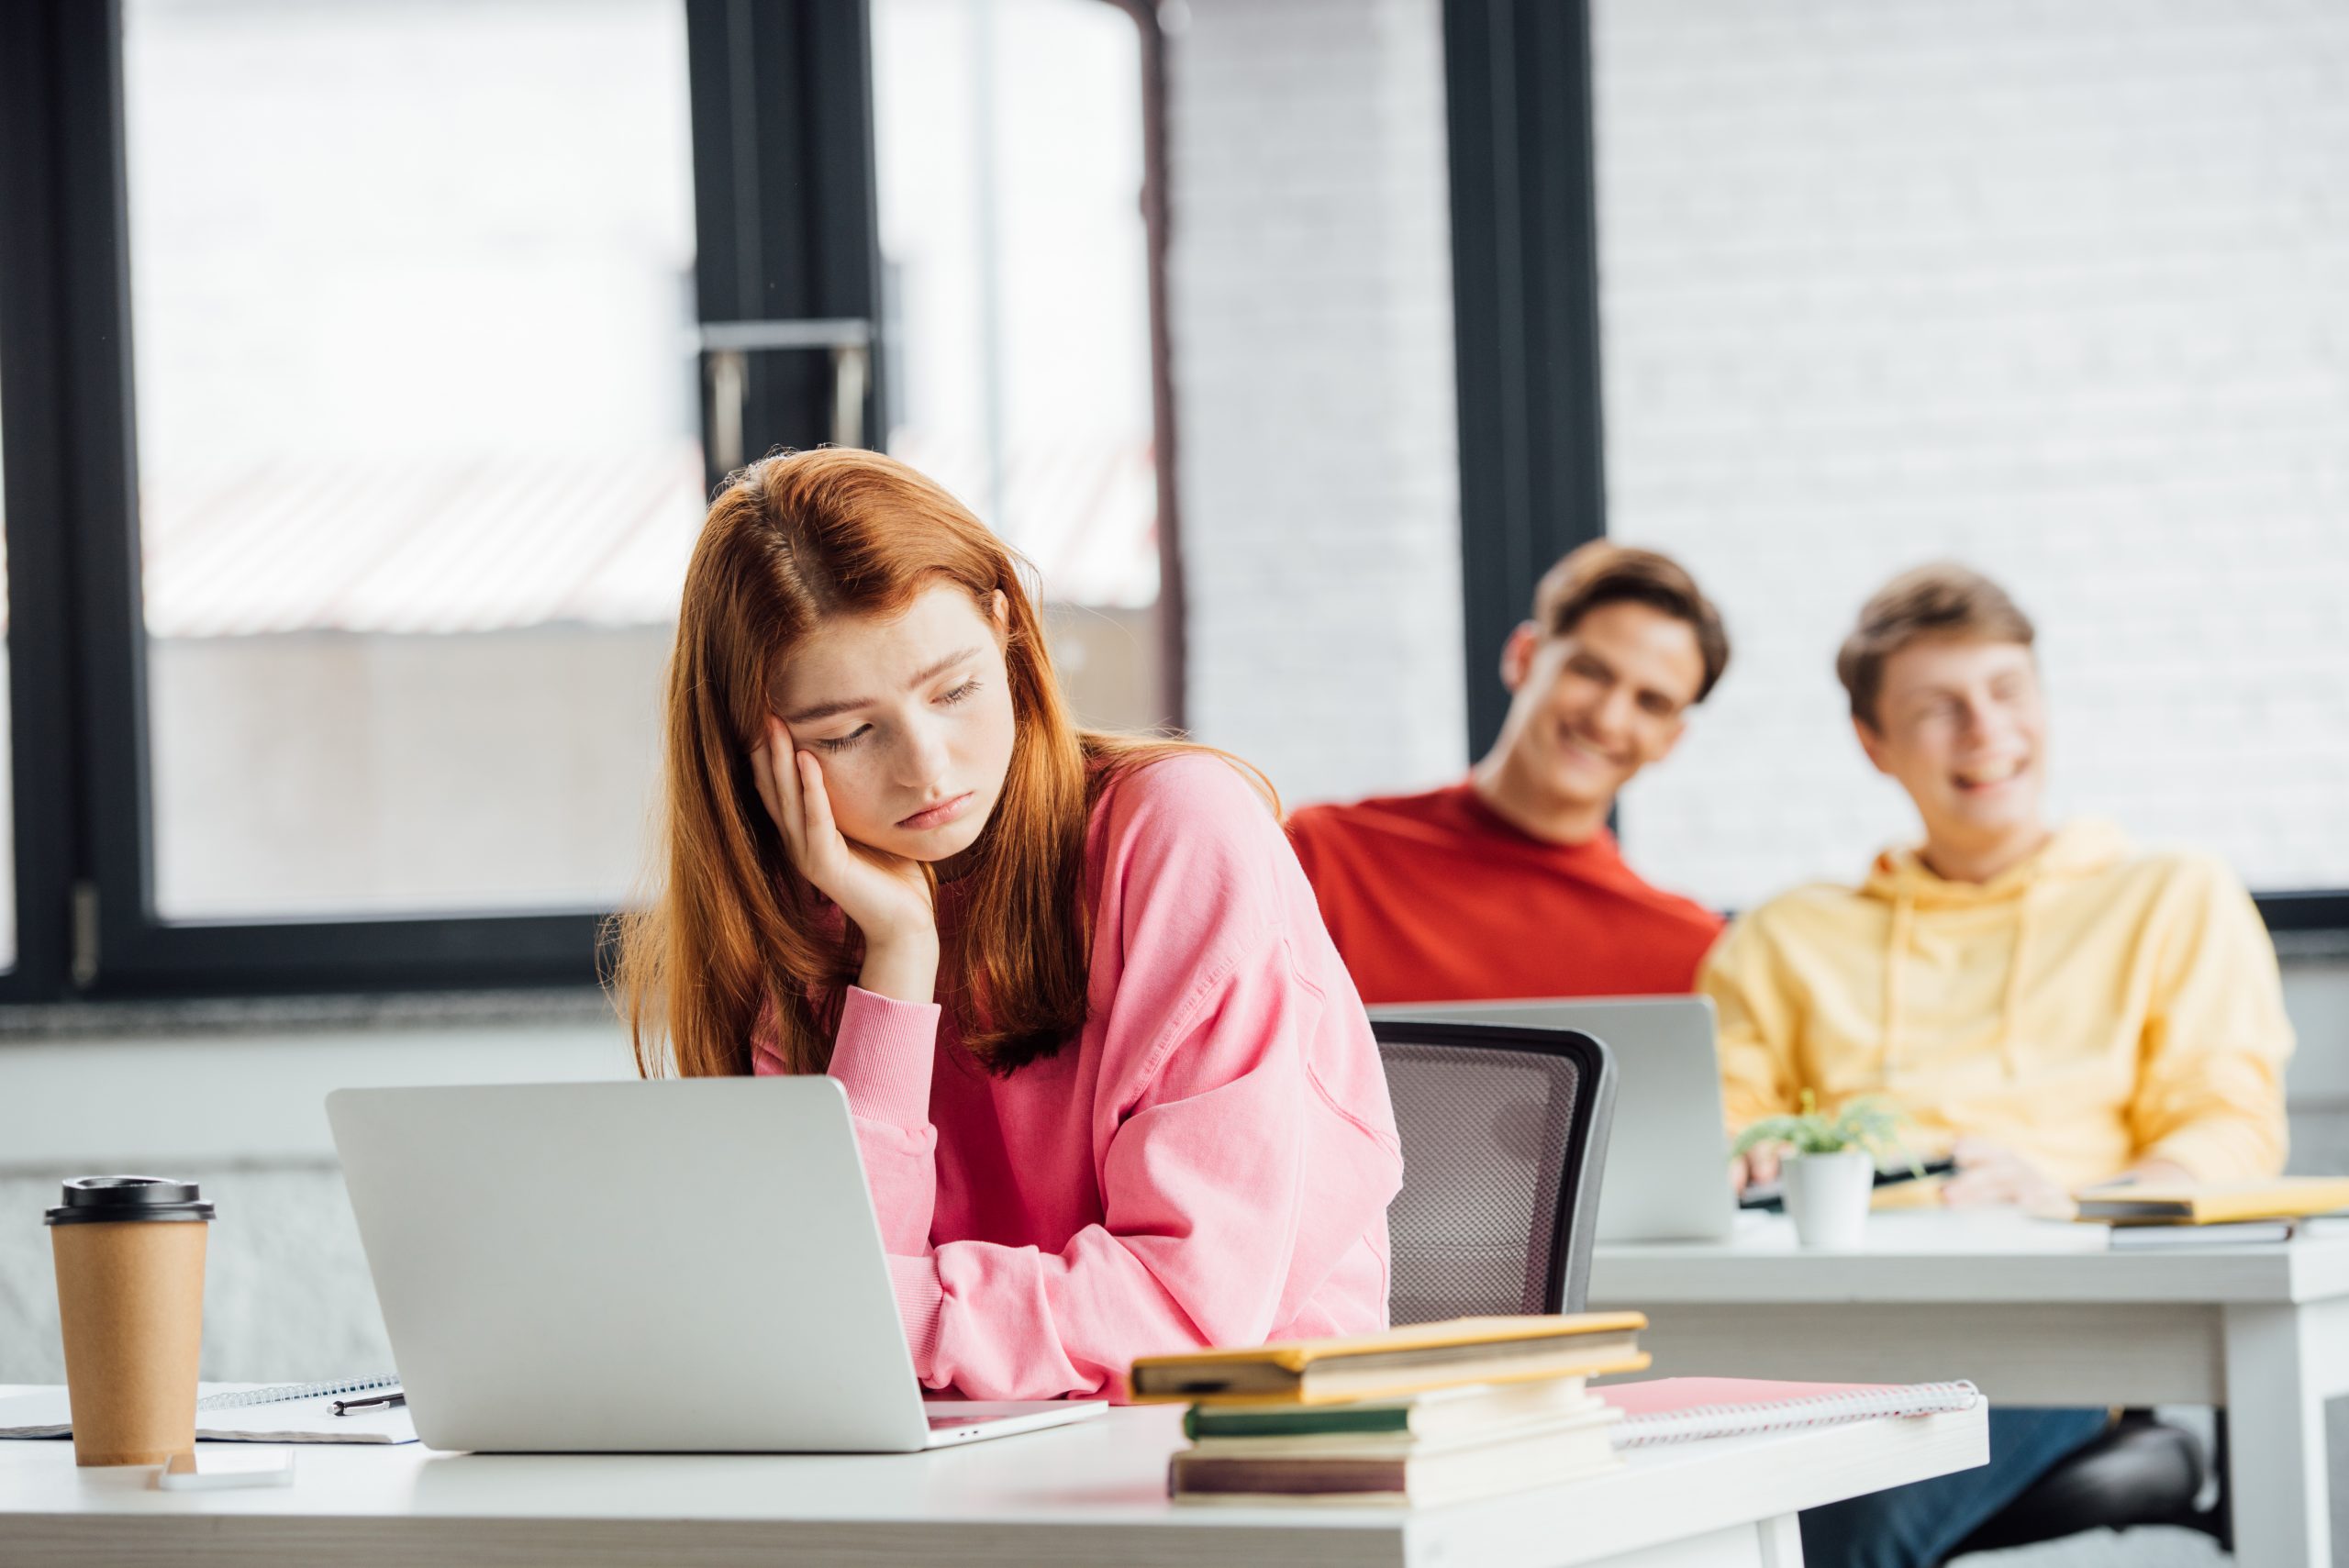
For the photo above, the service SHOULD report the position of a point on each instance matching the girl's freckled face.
(910, 718)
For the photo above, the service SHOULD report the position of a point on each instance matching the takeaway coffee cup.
(129, 1257)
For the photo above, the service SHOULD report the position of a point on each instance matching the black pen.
(380, 1401)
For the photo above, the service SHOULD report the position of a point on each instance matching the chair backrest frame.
(1576, 1218)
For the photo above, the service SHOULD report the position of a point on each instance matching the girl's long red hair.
(731, 928)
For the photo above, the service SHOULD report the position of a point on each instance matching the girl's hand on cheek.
(886, 896)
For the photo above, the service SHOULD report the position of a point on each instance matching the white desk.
(2035, 1313)
(1092, 1493)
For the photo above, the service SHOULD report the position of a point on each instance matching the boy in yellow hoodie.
(2050, 1007)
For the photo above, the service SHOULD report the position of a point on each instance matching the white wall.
(1310, 296)
(2061, 290)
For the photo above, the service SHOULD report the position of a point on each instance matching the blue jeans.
(1918, 1524)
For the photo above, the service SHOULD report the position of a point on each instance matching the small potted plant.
(1829, 1169)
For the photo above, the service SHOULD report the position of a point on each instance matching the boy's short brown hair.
(1601, 573)
(1943, 599)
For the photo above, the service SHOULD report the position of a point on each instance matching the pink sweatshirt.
(1209, 1163)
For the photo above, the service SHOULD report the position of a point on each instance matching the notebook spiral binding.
(278, 1393)
(1726, 1420)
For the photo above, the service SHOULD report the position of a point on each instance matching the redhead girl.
(1113, 1089)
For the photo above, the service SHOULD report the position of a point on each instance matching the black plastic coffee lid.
(109, 1200)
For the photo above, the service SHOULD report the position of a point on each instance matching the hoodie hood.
(1901, 878)
(2079, 848)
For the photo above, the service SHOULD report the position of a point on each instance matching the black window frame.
(33, 424)
(1518, 101)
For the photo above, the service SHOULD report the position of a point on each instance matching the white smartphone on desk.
(216, 1465)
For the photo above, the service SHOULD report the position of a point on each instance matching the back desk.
(2034, 1313)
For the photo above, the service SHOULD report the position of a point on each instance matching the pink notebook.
(1676, 1409)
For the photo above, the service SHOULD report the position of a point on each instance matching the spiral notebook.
(244, 1412)
(1680, 1409)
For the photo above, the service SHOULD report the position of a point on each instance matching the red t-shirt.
(1435, 898)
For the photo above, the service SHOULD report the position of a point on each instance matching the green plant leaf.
(1869, 1124)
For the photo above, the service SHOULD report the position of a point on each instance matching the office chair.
(1504, 1132)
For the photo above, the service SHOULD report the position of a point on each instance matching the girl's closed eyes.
(961, 693)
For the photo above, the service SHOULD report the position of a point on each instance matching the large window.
(418, 450)
(2056, 297)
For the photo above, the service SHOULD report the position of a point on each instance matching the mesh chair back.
(1503, 1131)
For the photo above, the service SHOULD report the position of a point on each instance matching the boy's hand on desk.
(2155, 1170)
(1759, 1164)
(1992, 1173)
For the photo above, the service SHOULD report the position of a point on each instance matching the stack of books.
(1435, 1413)
(2147, 1214)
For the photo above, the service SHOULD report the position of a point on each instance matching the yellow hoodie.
(2091, 1007)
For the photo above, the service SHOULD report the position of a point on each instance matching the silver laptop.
(640, 1267)
(1667, 1174)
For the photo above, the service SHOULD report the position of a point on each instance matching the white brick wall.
(1311, 305)
(2061, 290)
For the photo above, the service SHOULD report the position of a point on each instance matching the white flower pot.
(1827, 1197)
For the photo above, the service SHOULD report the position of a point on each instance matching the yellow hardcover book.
(2213, 1203)
(1398, 1362)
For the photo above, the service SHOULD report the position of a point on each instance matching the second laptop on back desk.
(1666, 1174)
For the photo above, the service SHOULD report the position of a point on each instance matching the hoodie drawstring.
(1904, 922)
(1904, 916)
(2012, 995)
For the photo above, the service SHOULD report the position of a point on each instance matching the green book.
(1437, 1413)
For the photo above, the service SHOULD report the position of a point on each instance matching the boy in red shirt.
(1508, 884)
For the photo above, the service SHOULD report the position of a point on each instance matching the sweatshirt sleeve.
(883, 1057)
(2211, 1086)
(1249, 1150)
(1759, 1075)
